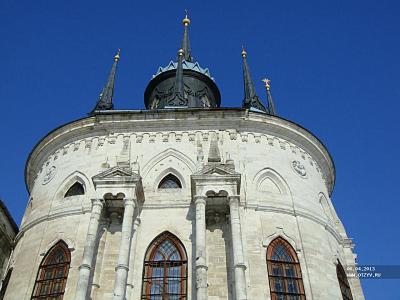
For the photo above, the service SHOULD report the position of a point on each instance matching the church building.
(182, 200)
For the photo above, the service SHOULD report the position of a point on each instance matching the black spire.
(183, 83)
(177, 98)
(250, 97)
(185, 41)
(271, 107)
(106, 96)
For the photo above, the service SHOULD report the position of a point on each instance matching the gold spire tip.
(267, 83)
(117, 56)
(186, 20)
(244, 53)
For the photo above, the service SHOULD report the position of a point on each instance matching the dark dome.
(200, 89)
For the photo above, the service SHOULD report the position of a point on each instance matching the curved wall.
(286, 178)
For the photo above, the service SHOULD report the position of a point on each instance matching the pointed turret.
(105, 101)
(185, 41)
(250, 100)
(271, 106)
(177, 98)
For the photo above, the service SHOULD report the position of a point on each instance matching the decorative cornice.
(107, 126)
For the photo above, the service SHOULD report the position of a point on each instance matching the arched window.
(53, 272)
(170, 182)
(343, 282)
(165, 269)
(75, 190)
(5, 284)
(284, 273)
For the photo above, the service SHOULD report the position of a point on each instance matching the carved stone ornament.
(299, 168)
(49, 175)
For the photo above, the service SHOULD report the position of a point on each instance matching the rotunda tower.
(184, 199)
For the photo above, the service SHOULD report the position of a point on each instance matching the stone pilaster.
(237, 249)
(201, 260)
(88, 252)
(123, 259)
(99, 259)
(136, 225)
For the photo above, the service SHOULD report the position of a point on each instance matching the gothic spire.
(250, 97)
(185, 41)
(271, 107)
(177, 97)
(106, 96)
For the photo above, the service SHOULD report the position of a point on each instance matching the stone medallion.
(299, 168)
(49, 175)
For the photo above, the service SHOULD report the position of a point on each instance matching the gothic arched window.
(53, 272)
(343, 282)
(284, 273)
(75, 190)
(165, 269)
(170, 182)
(5, 284)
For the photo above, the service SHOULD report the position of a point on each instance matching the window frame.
(343, 282)
(46, 265)
(298, 279)
(149, 264)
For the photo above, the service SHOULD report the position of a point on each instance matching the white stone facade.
(274, 179)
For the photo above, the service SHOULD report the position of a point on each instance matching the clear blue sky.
(334, 67)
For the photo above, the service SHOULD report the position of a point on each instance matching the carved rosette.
(299, 168)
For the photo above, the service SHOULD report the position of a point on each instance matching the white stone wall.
(286, 179)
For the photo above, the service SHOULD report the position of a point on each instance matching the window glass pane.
(291, 286)
(48, 273)
(278, 285)
(75, 190)
(276, 270)
(280, 253)
(173, 286)
(156, 287)
(170, 182)
(290, 271)
(174, 272)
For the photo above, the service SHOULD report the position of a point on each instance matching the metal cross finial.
(267, 83)
(186, 20)
(117, 56)
(244, 53)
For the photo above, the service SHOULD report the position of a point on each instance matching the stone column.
(124, 250)
(88, 251)
(129, 285)
(237, 247)
(201, 260)
(99, 259)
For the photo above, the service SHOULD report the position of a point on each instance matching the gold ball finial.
(180, 52)
(186, 20)
(117, 56)
(244, 53)
(267, 83)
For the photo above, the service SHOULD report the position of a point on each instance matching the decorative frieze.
(139, 138)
